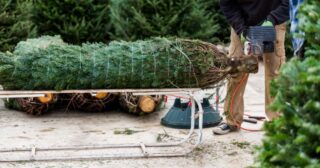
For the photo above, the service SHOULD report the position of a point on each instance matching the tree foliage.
(92, 21)
(212, 8)
(76, 21)
(140, 19)
(14, 23)
(292, 140)
(155, 63)
(310, 25)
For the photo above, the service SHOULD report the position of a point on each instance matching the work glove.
(243, 36)
(267, 23)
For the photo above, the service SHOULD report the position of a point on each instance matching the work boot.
(223, 129)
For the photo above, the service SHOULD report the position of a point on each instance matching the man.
(240, 15)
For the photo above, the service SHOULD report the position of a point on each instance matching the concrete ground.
(61, 128)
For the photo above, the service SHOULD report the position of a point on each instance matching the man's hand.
(267, 23)
(242, 38)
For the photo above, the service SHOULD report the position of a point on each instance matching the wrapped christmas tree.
(40, 105)
(33, 45)
(154, 63)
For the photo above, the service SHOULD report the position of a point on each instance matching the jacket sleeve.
(281, 14)
(231, 10)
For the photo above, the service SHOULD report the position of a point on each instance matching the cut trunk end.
(48, 98)
(246, 64)
(139, 104)
(101, 95)
(147, 104)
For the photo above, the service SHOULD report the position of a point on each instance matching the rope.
(245, 77)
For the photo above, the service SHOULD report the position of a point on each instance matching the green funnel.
(179, 116)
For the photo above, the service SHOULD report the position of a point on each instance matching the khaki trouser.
(272, 64)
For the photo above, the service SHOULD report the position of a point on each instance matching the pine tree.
(155, 63)
(14, 23)
(212, 7)
(140, 19)
(292, 140)
(76, 21)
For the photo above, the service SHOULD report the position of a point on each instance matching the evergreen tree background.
(76, 21)
(95, 20)
(222, 33)
(15, 24)
(288, 43)
(140, 19)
